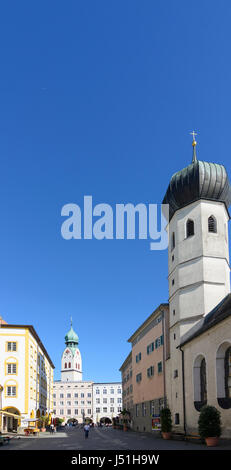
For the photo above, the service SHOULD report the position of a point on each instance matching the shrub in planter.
(209, 425)
(166, 423)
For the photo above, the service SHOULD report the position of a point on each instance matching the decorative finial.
(71, 322)
(194, 159)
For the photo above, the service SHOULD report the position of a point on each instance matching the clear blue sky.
(98, 98)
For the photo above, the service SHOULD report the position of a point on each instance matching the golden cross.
(193, 133)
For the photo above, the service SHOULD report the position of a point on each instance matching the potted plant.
(43, 423)
(209, 425)
(124, 413)
(166, 423)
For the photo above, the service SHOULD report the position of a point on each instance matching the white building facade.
(76, 399)
(107, 400)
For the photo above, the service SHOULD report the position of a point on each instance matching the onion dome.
(199, 180)
(71, 338)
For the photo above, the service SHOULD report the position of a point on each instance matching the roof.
(147, 321)
(217, 315)
(126, 361)
(33, 332)
(199, 180)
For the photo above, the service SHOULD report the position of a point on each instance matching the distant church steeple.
(71, 368)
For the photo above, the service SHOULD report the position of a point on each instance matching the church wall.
(206, 345)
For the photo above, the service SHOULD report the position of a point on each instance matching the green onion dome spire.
(71, 338)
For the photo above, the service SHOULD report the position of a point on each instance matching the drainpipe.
(164, 346)
(183, 387)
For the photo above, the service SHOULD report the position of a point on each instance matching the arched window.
(212, 224)
(223, 373)
(189, 228)
(65, 365)
(228, 373)
(69, 365)
(200, 382)
(173, 242)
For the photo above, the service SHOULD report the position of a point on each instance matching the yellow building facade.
(26, 377)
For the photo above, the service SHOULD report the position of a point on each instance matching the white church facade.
(198, 370)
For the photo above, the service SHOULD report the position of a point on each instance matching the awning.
(6, 413)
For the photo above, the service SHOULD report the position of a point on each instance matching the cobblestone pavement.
(103, 439)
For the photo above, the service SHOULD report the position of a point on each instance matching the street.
(102, 439)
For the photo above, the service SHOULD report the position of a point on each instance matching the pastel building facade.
(26, 377)
(150, 348)
(107, 400)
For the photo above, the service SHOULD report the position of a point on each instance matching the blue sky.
(98, 98)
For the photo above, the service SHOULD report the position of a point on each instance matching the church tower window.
(189, 228)
(173, 243)
(212, 224)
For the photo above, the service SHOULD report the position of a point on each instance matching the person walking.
(86, 430)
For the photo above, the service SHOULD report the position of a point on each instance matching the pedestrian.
(86, 430)
(51, 428)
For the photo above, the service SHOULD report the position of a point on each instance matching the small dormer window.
(189, 228)
(212, 224)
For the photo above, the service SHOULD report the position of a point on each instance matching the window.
(119, 390)
(177, 418)
(143, 409)
(112, 391)
(69, 412)
(54, 395)
(189, 228)
(89, 411)
(97, 410)
(119, 409)
(82, 395)
(76, 403)
(69, 403)
(150, 371)
(200, 382)
(138, 378)
(11, 346)
(150, 348)
(111, 400)
(119, 400)
(212, 224)
(76, 395)
(76, 412)
(175, 375)
(105, 410)
(104, 400)
(61, 412)
(138, 357)
(61, 395)
(137, 411)
(159, 367)
(69, 395)
(104, 391)
(61, 403)
(69, 365)
(65, 365)
(173, 243)
(11, 369)
(89, 395)
(98, 400)
(11, 391)
(111, 409)
(97, 391)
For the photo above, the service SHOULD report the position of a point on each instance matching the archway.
(11, 419)
(105, 420)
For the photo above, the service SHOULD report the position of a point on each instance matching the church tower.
(71, 367)
(198, 257)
